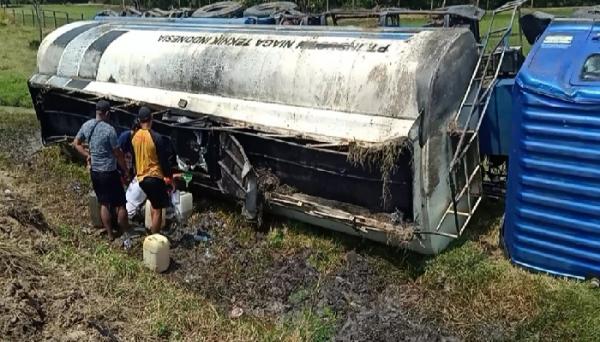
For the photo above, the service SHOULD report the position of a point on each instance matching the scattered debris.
(202, 236)
(236, 312)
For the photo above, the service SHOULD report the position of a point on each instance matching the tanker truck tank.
(343, 128)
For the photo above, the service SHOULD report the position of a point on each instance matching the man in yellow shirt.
(152, 154)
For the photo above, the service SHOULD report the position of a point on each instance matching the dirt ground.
(37, 302)
(240, 270)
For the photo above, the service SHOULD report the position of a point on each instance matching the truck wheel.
(223, 9)
(269, 8)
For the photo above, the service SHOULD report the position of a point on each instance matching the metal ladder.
(465, 170)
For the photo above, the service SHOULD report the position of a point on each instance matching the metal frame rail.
(467, 122)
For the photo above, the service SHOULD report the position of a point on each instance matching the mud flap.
(238, 177)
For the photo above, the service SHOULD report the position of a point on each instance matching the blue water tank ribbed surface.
(553, 198)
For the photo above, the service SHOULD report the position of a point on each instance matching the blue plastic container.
(495, 132)
(553, 198)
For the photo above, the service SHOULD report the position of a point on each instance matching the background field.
(295, 282)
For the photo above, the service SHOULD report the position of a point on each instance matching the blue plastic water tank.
(552, 219)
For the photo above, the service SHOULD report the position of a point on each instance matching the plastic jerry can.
(183, 203)
(186, 204)
(156, 253)
(94, 208)
(148, 216)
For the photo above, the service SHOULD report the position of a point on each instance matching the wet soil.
(37, 302)
(233, 273)
(244, 272)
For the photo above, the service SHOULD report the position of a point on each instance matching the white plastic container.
(148, 216)
(183, 203)
(94, 208)
(156, 253)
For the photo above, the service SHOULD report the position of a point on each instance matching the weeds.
(382, 157)
(17, 63)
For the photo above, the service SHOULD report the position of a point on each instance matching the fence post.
(81, 16)
(44, 19)
(32, 18)
(67, 17)
(23, 13)
(54, 14)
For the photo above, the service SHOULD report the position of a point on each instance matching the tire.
(269, 8)
(223, 9)
(107, 13)
(151, 14)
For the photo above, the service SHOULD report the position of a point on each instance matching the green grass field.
(75, 11)
(17, 63)
(503, 19)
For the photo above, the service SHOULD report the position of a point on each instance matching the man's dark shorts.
(108, 187)
(156, 190)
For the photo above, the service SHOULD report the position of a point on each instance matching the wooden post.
(23, 13)
(32, 18)
(81, 16)
(43, 19)
(67, 13)
(55, 23)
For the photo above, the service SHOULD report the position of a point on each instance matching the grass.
(17, 63)
(503, 19)
(470, 289)
(486, 296)
(18, 60)
(75, 11)
(159, 308)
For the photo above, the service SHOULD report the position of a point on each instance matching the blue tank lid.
(565, 62)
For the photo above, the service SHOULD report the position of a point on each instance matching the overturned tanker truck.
(343, 128)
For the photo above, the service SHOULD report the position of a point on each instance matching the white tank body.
(334, 85)
(315, 82)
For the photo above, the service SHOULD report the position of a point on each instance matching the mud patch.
(37, 303)
(14, 263)
(22, 312)
(352, 287)
(370, 309)
(387, 319)
(27, 215)
(268, 182)
(237, 268)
